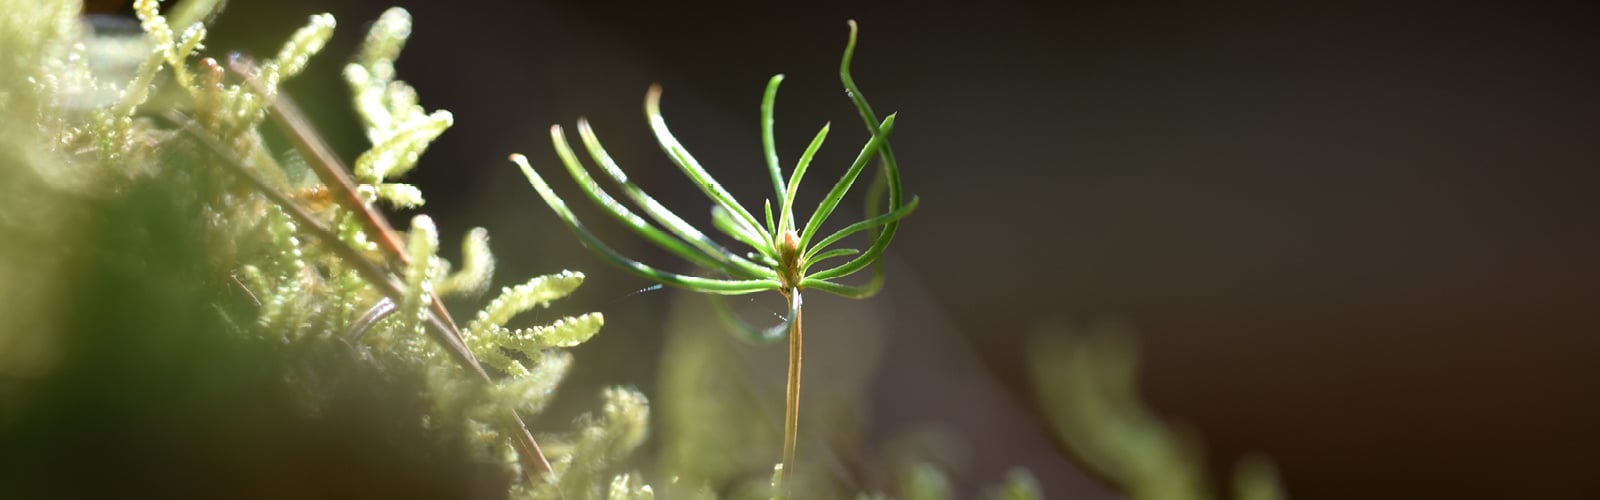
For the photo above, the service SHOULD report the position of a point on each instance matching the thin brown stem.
(332, 172)
(791, 414)
(336, 176)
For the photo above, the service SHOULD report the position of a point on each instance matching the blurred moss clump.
(1085, 382)
(168, 329)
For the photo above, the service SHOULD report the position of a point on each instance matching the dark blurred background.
(1359, 239)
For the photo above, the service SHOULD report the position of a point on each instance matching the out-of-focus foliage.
(163, 314)
(1086, 384)
(719, 423)
(721, 420)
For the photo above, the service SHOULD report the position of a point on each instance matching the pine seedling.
(784, 252)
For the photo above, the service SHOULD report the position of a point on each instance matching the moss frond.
(598, 444)
(477, 266)
(296, 52)
(399, 128)
(422, 247)
(515, 300)
(629, 487)
(1019, 485)
(487, 335)
(1086, 384)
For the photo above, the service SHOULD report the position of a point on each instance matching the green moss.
(195, 312)
(187, 312)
